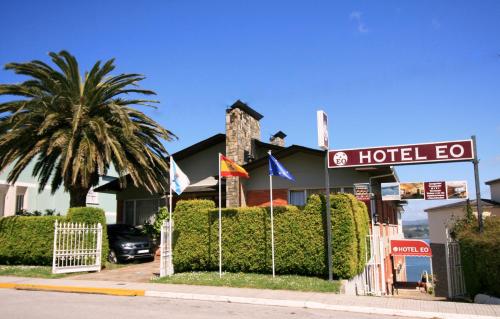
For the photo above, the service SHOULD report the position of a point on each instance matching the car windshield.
(124, 229)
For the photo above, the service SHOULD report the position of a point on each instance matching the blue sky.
(386, 72)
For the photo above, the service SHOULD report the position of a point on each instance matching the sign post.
(475, 161)
(323, 143)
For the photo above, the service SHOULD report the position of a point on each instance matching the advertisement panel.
(362, 191)
(410, 247)
(435, 190)
(402, 154)
(322, 123)
(424, 190)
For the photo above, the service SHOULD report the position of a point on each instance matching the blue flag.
(276, 169)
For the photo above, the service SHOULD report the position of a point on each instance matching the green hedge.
(29, 240)
(480, 257)
(91, 216)
(246, 238)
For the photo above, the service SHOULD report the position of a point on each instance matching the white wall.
(440, 219)
(495, 191)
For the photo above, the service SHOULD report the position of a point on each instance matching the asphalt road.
(34, 304)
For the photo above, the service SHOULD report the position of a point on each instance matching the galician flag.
(276, 169)
(178, 180)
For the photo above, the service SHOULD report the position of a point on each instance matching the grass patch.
(29, 271)
(246, 280)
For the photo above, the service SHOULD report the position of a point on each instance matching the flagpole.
(220, 225)
(170, 261)
(272, 213)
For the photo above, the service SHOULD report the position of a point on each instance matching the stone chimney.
(242, 126)
(278, 139)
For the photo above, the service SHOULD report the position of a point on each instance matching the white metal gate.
(456, 282)
(77, 247)
(166, 262)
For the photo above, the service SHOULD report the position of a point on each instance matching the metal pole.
(169, 249)
(432, 277)
(272, 219)
(447, 257)
(328, 219)
(478, 186)
(220, 226)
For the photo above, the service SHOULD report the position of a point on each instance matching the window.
(92, 197)
(138, 211)
(349, 190)
(19, 202)
(298, 197)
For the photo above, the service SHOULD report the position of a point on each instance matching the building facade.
(24, 195)
(242, 143)
(441, 220)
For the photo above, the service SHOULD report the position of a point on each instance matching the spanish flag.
(230, 168)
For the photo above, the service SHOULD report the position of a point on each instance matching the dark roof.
(279, 134)
(282, 152)
(493, 181)
(267, 146)
(245, 108)
(484, 203)
(114, 185)
(188, 151)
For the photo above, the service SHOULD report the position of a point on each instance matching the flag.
(276, 169)
(230, 168)
(178, 180)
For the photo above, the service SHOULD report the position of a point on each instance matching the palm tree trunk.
(78, 197)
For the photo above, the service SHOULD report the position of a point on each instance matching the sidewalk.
(370, 305)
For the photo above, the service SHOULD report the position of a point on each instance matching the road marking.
(87, 290)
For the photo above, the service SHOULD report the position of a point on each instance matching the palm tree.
(75, 128)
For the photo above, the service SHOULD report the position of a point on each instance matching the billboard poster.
(362, 191)
(456, 190)
(424, 190)
(435, 190)
(411, 190)
(390, 191)
(322, 122)
(435, 152)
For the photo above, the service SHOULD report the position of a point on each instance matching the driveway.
(136, 272)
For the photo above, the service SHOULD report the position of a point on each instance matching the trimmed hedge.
(300, 245)
(480, 257)
(91, 216)
(27, 240)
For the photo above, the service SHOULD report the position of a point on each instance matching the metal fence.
(77, 247)
(456, 282)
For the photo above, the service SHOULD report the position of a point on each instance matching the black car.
(128, 243)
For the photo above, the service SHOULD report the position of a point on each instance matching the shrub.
(246, 238)
(360, 212)
(27, 240)
(154, 228)
(91, 216)
(192, 243)
(344, 239)
(479, 256)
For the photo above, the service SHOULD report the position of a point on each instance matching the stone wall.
(439, 268)
(241, 128)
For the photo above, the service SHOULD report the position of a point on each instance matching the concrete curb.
(74, 289)
(243, 300)
(314, 305)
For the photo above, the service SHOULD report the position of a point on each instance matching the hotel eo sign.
(402, 154)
